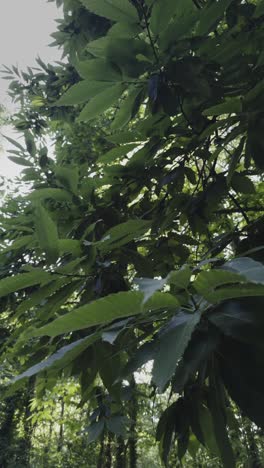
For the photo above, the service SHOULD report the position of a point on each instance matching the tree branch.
(236, 210)
(149, 33)
(240, 208)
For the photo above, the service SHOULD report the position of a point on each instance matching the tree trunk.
(6, 431)
(120, 453)
(61, 431)
(28, 427)
(108, 452)
(132, 441)
(47, 446)
(253, 448)
(100, 459)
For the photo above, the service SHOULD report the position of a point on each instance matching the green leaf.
(161, 14)
(161, 300)
(128, 108)
(30, 143)
(219, 424)
(22, 281)
(58, 300)
(68, 176)
(46, 232)
(255, 145)
(235, 291)
(115, 10)
(63, 357)
(130, 55)
(95, 430)
(240, 277)
(193, 446)
(20, 161)
(141, 356)
(234, 161)
(180, 278)
(99, 70)
(124, 30)
(98, 47)
(108, 362)
(211, 15)
(102, 311)
(88, 376)
(118, 425)
(105, 310)
(52, 193)
(41, 295)
(149, 286)
(241, 368)
(30, 174)
(181, 26)
(14, 143)
(165, 430)
(24, 241)
(242, 184)
(191, 175)
(125, 137)
(101, 102)
(111, 333)
(200, 348)
(172, 343)
(116, 153)
(251, 270)
(72, 246)
(259, 11)
(260, 61)
(240, 320)
(254, 98)
(207, 427)
(195, 403)
(71, 267)
(81, 92)
(229, 106)
(123, 233)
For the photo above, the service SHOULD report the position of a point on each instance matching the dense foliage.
(138, 238)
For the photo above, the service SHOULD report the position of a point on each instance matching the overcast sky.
(25, 28)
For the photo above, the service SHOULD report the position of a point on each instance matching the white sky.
(25, 28)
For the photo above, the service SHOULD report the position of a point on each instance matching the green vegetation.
(131, 273)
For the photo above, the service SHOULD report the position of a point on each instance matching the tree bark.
(6, 431)
(108, 452)
(100, 459)
(61, 431)
(120, 453)
(132, 441)
(28, 427)
(47, 446)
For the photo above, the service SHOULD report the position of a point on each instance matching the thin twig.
(149, 34)
(186, 117)
(240, 208)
